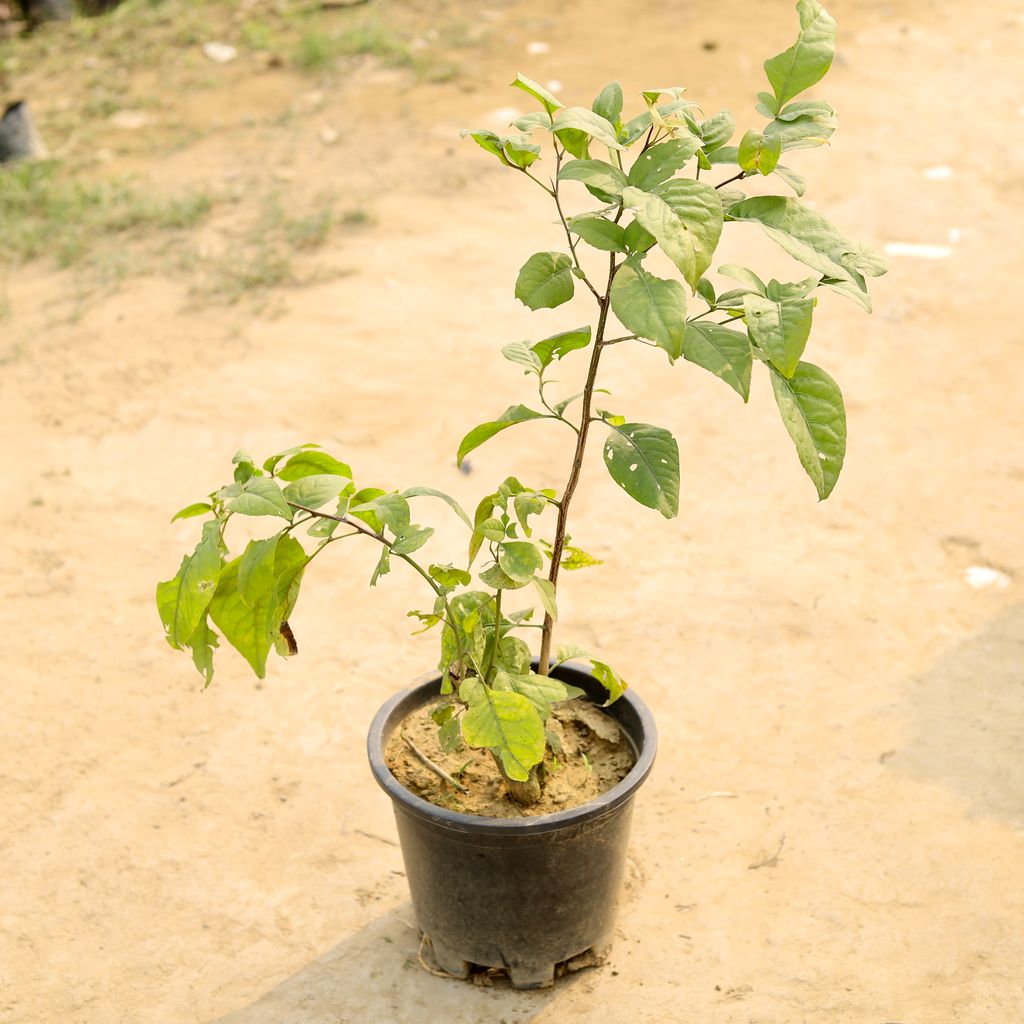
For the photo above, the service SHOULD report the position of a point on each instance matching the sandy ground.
(828, 685)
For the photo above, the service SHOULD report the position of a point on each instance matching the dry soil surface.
(834, 830)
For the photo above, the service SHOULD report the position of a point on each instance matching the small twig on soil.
(769, 862)
(717, 793)
(436, 769)
(372, 835)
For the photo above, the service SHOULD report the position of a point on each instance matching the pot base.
(523, 975)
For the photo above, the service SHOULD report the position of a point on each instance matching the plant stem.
(431, 582)
(565, 226)
(577, 461)
(735, 177)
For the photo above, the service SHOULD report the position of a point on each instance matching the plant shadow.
(967, 721)
(374, 977)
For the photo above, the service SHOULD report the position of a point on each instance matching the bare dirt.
(834, 830)
(593, 755)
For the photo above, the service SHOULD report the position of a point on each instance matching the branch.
(735, 177)
(577, 462)
(565, 227)
(431, 582)
(436, 769)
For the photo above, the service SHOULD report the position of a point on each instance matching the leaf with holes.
(644, 461)
(780, 328)
(723, 352)
(813, 413)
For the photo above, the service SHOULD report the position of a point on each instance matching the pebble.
(220, 53)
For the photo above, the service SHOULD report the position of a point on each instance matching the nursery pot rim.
(423, 688)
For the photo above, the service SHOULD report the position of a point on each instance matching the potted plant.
(512, 879)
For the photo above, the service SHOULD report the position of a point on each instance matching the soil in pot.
(595, 755)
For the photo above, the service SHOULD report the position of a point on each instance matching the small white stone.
(554, 85)
(536, 48)
(955, 234)
(328, 135)
(220, 53)
(979, 576)
(942, 172)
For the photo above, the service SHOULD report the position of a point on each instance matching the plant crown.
(645, 175)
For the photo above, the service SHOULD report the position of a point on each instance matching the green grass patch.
(46, 212)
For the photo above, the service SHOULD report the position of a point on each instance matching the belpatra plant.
(493, 696)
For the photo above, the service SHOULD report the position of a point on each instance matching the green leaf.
(256, 569)
(449, 577)
(660, 162)
(811, 239)
(540, 691)
(561, 344)
(574, 558)
(382, 568)
(315, 491)
(724, 352)
(650, 307)
(449, 736)
(747, 278)
(767, 104)
(497, 579)
(546, 591)
(598, 232)
(369, 516)
(582, 120)
(576, 143)
(779, 328)
(529, 504)
(520, 559)
(486, 140)
(485, 431)
(197, 508)
(392, 510)
(183, 600)
(411, 539)
(545, 280)
(802, 132)
(202, 644)
(251, 627)
(270, 464)
(644, 461)
(532, 121)
(610, 680)
(686, 218)
(759, 153)
(595, 173)
(809, 58)
(637, 238)
(812, 410)
(431, 492)
(260, 496)
(699, 208)
(551, 103)
(795, 181)
(315, 463)
(717, 130)
(609, 102)
(505, 722)
(521, 353)
(520, 152)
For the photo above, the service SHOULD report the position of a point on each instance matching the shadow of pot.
(523, 894)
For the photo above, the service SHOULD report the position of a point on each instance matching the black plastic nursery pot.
(520, 893)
